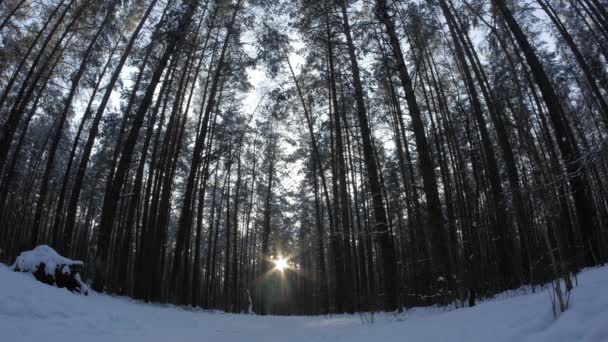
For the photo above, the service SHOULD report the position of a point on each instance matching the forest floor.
(32, 311)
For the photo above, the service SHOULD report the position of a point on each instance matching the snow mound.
(50, 268)
(43, 254)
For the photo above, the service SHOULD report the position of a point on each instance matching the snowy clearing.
(32, 311)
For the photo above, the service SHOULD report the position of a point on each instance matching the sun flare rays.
(280, 264)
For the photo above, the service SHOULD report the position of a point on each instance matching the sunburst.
(280, 264)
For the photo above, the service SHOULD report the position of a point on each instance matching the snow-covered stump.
(50, 268)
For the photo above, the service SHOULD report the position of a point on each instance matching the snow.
(29, 261)
(32, 311)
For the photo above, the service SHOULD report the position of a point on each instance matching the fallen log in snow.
(50, 268)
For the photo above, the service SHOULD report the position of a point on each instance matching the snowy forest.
(307, 157)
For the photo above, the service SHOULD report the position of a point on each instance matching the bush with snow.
(49, 267)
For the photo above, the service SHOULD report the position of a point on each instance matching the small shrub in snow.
(49, 267)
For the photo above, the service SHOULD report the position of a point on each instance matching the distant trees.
(399, 153)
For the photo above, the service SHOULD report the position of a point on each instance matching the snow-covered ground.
(31, 311)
